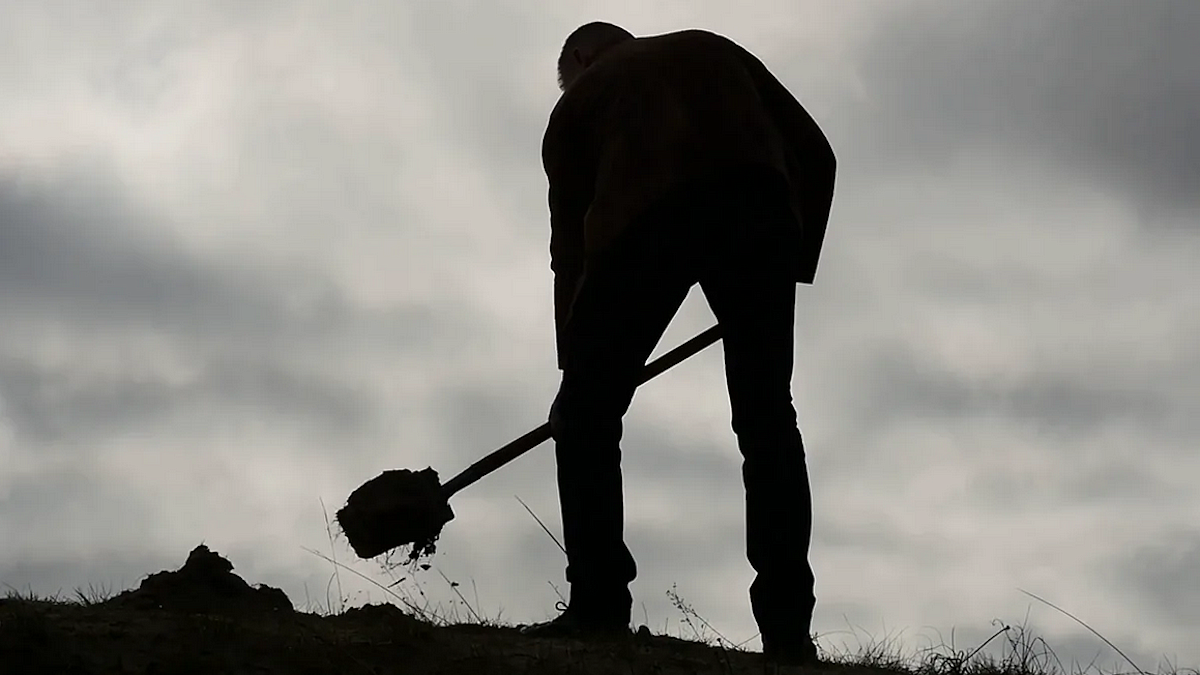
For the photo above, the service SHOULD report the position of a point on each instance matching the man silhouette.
(674, 160)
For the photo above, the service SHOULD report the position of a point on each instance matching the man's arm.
(810, 154)
(566, 259)
(570, 196)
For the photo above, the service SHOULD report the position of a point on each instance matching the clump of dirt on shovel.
(396, 508)
(205, 584)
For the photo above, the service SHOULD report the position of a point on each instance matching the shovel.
(402, 507)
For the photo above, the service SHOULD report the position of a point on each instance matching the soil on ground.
(203, 618)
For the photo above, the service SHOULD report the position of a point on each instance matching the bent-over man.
(675, 160)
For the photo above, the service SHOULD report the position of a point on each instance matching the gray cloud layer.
(1109, 87)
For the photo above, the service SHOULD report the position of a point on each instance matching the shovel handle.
(531, 440)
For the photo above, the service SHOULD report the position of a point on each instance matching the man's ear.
(580, 59)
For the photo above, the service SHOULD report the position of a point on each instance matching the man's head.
(584, 46)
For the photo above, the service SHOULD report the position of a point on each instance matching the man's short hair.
(591, 38)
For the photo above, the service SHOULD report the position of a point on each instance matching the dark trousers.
(731, 236)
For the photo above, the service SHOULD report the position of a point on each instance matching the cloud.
(1106, 89)
(75, 249)
(53, 406)
(1164, 574)
(1064, 405)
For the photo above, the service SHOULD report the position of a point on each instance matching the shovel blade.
(396, 508)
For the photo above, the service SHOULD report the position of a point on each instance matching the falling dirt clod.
(396, 508)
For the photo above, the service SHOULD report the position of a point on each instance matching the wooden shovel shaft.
(531, 440)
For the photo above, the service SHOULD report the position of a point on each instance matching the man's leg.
(756, 317)
(746, 277)
(619, 315)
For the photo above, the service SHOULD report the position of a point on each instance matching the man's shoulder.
(692, 46)
(690, 36)
(675, 42)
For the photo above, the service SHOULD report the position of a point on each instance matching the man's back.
(660, 112)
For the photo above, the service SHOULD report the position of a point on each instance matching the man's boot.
(798, 651)
(590, 614)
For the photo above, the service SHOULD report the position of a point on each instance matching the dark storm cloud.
(902, 383)
(495, 92)
(77, 249)
(1111, 88)
(55, 404)
(1117, 479)
(1167, 576)
(74, 253)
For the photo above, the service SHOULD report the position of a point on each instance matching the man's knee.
(584, 411)
(764, 418)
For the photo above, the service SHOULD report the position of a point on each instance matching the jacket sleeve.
(809, 152)
(570, 195)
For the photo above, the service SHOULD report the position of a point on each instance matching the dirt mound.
(396, 508)
(205, 584)
(378, 615)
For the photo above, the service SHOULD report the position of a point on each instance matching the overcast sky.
(252, 254)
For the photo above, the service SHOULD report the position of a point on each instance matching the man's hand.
(556, 420)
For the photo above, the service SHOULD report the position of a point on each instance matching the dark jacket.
(658, 112)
